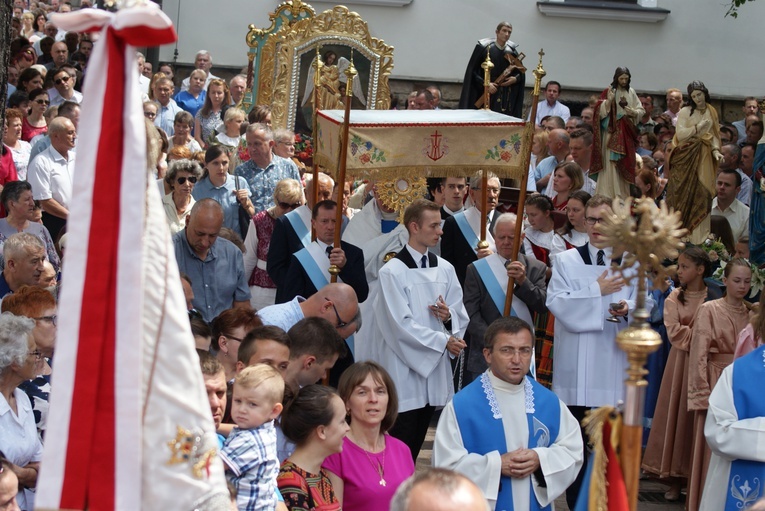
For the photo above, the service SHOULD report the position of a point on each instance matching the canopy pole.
(318, 65)
(350, 74)
(539, 73)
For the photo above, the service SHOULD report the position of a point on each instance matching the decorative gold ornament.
(400, 193)
(280, 59)
(187, 447)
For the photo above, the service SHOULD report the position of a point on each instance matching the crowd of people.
(414, 324)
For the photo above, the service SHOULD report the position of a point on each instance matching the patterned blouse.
(264, 226)
(209, 124)
(303, 491)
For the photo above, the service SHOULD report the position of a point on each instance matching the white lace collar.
(488, 381)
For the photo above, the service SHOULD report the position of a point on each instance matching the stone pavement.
(650, 496)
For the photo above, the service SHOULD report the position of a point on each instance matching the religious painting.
(286, 72)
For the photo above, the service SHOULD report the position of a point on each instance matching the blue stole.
(318, 279)
(387, 226)
(467, 232)
(492, 285)
(482, 430)
(303, 233)
(745, 483)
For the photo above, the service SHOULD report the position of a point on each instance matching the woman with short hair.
(20, 149)
(372, 464)
(182, 125)
(20, 207)
(181, 176)
(20, 360)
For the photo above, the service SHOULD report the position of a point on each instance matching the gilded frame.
(282, 53)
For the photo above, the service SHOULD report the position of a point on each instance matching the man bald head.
(203, 226)
(438, 489)
(338, 304)
(326, 185)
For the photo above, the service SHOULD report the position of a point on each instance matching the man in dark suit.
(459, 243)
(486, 286)
(310, 265)
(292, 232)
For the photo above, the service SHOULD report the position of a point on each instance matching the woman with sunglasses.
(181, 176)
(20, 360)
(35, 123)
(288, 195)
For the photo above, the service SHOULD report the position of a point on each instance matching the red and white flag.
(129, 427)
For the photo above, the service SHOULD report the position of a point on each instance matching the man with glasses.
(462, 232)
(337, 303)
(591, 305)
(527, 457)
(24, 255)
(63, 88)
(419, 326)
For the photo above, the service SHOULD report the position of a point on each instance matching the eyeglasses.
(37, 354)
(286, 205)
(232, 338)
(52, 319)
(288, 144)
(591, 220)
(182, 180)
(42, 102)
(340, 322)
(63, 79)
(149, 115)
(508, 351)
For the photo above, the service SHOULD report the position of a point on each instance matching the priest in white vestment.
(420, 323)
(511, 436)
(735, 432)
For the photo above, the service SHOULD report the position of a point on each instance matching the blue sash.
(303, 233)
(467, 232)
(745, 483)
(319, 280)
(492, 285)
(482, 430)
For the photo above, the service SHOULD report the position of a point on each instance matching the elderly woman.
(208, 119)
(373, 464)
(192, 100)
(20, 360)
(315, 422)
(231, 192)
(20, 149)
(288, 195)
(35, 123)
(182, 125)
(37, 304)
(17, 200)
(181, 177)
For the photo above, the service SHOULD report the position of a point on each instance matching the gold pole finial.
(350, 74)
(487, 66)
(539, 73)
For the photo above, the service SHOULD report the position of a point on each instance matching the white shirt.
(56, 99)
(19, 441)
(417, 256)
(737, 215)
(558, 109)
(51, 176)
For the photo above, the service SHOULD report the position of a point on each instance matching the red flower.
(365, 158)
(505, 156)
(303, 155)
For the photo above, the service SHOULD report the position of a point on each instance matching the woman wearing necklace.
(373, 464)
(315, 421)
(181, 176)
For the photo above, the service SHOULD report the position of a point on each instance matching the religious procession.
(298, 288)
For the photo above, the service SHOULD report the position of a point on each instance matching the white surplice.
(560, 463)
(409, 341)
(588, 366)
(729, 439)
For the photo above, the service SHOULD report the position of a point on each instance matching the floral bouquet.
(715, 249)
(304, 149)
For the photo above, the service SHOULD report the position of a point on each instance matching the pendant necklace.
(378, 466)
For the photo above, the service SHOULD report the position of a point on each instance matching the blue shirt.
(165, 118)
(225, 195)
(218, 281)
(187, 102)
(283, 315)
(544, 167)
(263, 181)
(250, 454)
